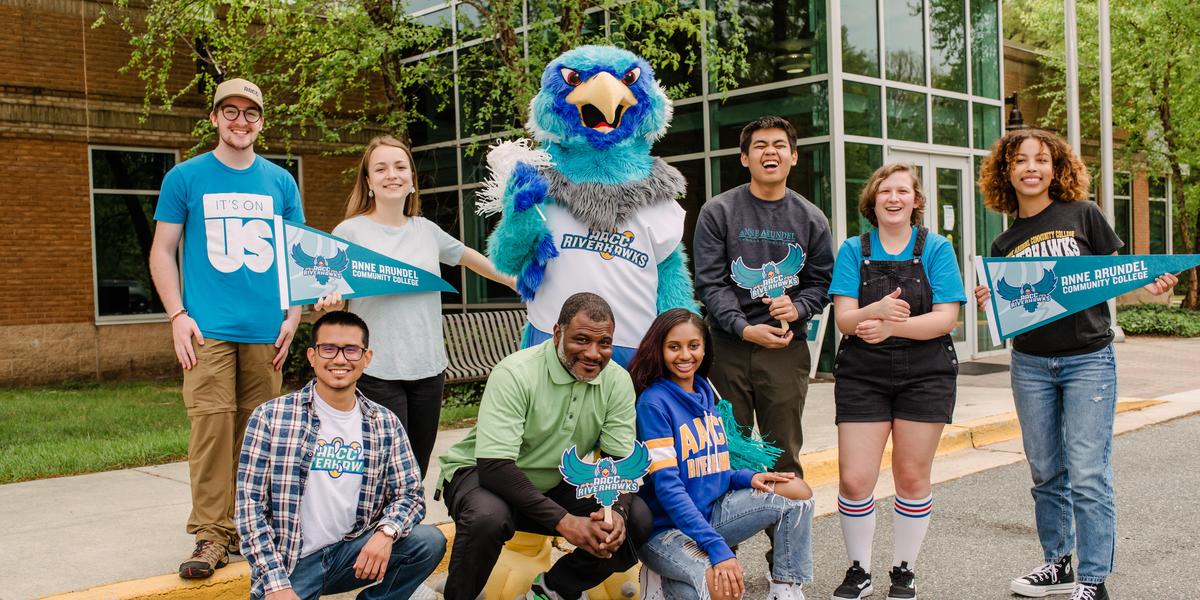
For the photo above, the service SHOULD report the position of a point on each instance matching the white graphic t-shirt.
(330, 498)
(620, 266)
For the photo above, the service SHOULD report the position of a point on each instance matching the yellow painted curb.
(820, 468)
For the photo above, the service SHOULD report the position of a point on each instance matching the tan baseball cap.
(238, 87)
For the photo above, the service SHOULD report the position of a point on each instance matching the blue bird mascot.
(590, 210)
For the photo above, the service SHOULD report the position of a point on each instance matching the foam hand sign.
(607, 478)
(315, 264)
(1028, 292)
(771, 279)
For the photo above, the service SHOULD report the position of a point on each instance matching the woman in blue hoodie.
(701, 505)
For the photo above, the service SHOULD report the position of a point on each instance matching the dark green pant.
(766, 387)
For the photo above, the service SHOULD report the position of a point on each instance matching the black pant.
(418, 403)
(483, 522)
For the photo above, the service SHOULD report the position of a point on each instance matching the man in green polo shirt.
(504, 476)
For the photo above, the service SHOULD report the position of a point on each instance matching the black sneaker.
(206, 559)
(857, 584)
(1090, 591)
(1051, 578)
(903, 583)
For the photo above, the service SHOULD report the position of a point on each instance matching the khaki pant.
(767, 387)
(229, 380)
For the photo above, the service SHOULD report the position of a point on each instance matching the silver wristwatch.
(389, 530)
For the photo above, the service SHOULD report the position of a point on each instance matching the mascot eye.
(570, 76)
(631, 76)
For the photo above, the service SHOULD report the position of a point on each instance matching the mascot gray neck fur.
(603, 206)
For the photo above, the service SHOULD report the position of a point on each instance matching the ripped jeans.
(737, 516)
(1066, 405)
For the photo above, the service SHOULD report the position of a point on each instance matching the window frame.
(92, 191)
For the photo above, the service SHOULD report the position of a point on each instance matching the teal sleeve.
(846, 268)
(941, 265)
(675, 283)
(172, 199)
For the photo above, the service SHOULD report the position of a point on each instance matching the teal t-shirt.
(230, 283)
(941, 266)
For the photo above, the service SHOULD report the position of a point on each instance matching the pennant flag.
(608, 478)
(1029, 292)
(317, 264)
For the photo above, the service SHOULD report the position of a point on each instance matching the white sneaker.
(785, 591)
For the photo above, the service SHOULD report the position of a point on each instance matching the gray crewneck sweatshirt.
(737, 225)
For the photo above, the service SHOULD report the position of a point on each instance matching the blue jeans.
(1066, 406)
(330, 570)
(737, 516)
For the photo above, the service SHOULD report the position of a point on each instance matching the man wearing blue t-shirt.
(230, 336)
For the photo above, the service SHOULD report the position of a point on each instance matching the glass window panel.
(413, 6)
(813, 182)
(440, 21)
(686, 133)
(948, 45)
(1121, 208)
(442, 209)
(863, 115)
(124, 230)
(693, 198)
(861, 161)
(681, 80)
(988, 225)
(437, 107)
(1158, 227)
(950, 202)
(985, 48)
(860, 37)
(785, 38)
(903, 29)
(125, 170)
(481, 105)
(950, 122)
(1158, 187)
(805, 106)
(436, 168)
(474, 164)
(470, 22)
(906, 116)
(1122, 183)
(986, 124)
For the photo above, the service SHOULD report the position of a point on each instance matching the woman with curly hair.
(1064, 373)
(896, 296)
(701, 502)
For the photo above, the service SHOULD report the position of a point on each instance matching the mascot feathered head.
(599, 96)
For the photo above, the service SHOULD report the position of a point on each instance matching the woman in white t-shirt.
(383, 211)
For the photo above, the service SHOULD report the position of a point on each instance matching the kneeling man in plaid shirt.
(329, 496)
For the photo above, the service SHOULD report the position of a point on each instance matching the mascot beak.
(601, 101)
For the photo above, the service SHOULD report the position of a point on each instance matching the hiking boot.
(1051, 578)
(903, 583)
(539, 591)
(1090, 591)
(857, 584)
(205, 560)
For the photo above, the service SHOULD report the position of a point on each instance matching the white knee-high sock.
(858, 528)
(909, 524)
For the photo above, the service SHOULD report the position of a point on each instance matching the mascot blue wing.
(1007, 291)
(302, 258)
(1047, 283)
(636, 464)
(745, 276)
(794, 261)
(340, 261)
(675, 288)
(574, 470)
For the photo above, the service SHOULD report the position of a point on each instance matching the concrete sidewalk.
(75, 533)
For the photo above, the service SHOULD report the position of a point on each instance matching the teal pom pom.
(747, 450)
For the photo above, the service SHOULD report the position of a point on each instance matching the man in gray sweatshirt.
(764, 259)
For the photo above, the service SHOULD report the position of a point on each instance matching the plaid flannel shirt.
(281, 437)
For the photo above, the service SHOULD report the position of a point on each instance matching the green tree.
(1156, 90)
(338, 67)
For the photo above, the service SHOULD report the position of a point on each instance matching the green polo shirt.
(533, 409)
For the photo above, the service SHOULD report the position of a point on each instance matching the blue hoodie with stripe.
(689, 461)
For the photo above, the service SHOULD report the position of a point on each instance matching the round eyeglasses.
(330, 351)
(231, 113)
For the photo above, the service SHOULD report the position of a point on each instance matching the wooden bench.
(476, 341)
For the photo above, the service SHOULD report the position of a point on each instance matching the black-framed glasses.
(231, 113)
(330, 351)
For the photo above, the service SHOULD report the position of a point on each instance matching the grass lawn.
(87, 427)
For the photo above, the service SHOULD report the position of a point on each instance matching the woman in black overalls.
(896, 293)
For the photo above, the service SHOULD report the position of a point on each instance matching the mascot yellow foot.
(527, 554)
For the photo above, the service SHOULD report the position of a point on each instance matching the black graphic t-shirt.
(1063, 229)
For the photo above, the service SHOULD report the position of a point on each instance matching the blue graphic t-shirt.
(941, 266)
(230, 285)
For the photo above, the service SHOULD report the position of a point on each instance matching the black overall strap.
(865, 242)
(919, 246)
